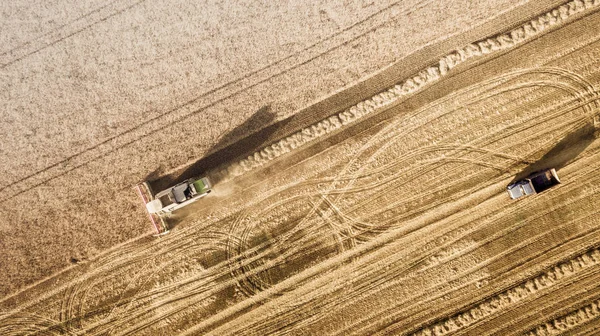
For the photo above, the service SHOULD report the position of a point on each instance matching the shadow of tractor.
(565, 151)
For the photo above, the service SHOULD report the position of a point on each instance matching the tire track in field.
(436, 188)
(585, 85)
(30, 324)
(588, 88)
(391, 141)
(381, 136)
(396, 218)
(126, 256)
(73, 312)
(388, 143)
(554, 196)
(311, 309)
(478, 159)
(113, 258)
(517, 206)
(408, 131)
(203, 276)
(292, 224)
(384, 182)
(206, 323)
(309, 225)
(188, 300)
(392, 275)
(388, 133)
(410, 302)
(124, 303)
(387, 136)
(111, 262)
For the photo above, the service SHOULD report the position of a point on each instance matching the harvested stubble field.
(380, 209)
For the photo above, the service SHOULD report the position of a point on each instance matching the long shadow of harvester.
(563, 152)
(225, 151)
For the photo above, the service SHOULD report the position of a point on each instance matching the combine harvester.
(163, 203)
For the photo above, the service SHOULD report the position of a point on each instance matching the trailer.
(534, 183)
(166, 201)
